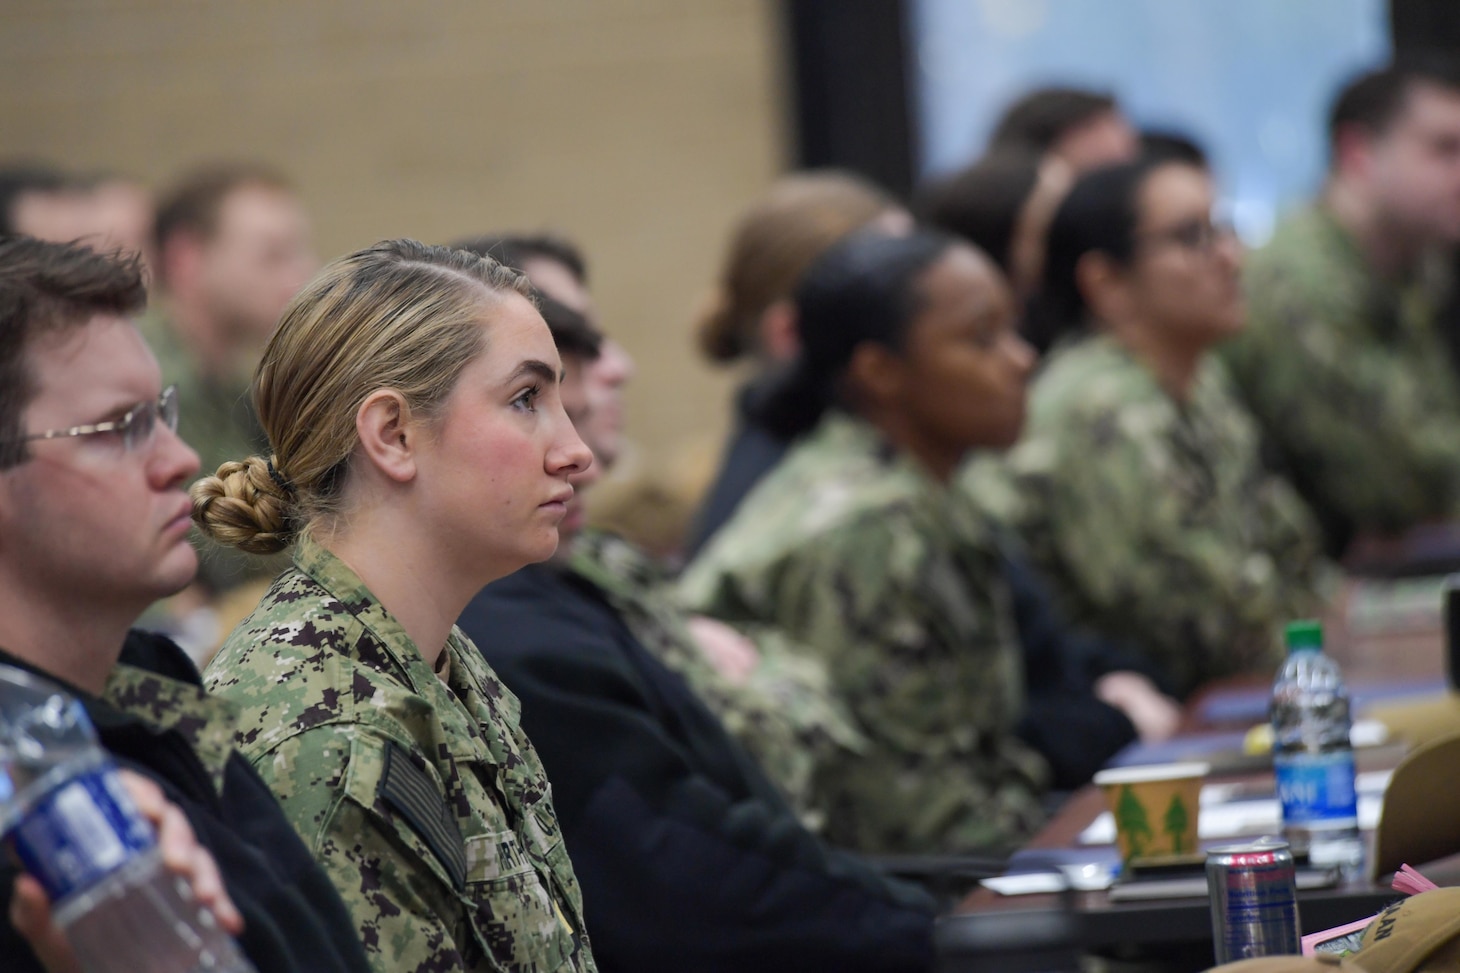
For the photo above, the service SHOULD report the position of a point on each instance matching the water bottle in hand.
(70, 821)
(1312, 755)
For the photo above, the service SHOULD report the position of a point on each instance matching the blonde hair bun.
(243, 506)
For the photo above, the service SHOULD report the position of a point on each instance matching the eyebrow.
(541, 369)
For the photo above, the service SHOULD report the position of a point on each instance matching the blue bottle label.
(80, 832)
(1316, 788)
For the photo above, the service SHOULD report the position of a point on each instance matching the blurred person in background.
(856, 546)
(1001, 204)
(232, 246)
(1169, 145)
(691, 857)
(1341, 363)
(106, 211)
(122, 214)
(418, 450)
(751, 317)
(1082, 128)
(777, 703)
(42, 201)
(93, 528)
(1138, 486)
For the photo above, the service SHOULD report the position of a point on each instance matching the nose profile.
(570, 456)
(1229, 249)
(172, 460)
(1021, 353)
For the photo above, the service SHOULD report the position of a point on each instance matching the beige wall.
(639, 127)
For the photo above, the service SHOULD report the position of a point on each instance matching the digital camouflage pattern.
(786, 713)
(207, 722)
(854, 551)
(1352, 388)
(421, 798)
(1155, 522)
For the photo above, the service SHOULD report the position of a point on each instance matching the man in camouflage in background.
(1340, 362)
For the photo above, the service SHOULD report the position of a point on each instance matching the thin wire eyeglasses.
(135, 427)
(1197, 236)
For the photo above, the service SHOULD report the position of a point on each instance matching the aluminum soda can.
(1254, 900)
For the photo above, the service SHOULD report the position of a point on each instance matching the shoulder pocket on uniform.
(409, 791)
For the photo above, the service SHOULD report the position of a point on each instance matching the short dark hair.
(193, 202)
(1039, 119)
(515, 249)
(1167, 145)
(1374, 99)
(18, 179)
(573, 333)
(982, 203)
(46, 288)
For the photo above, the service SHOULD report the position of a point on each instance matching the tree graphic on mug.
(1176, 822)
(1130, 818)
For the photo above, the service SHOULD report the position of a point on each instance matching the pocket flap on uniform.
(409, 791)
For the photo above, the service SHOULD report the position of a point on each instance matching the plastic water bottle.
(72, 824)
(1312, 755)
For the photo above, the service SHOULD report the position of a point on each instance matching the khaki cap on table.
(1419, 934)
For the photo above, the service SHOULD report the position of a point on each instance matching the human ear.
(875, 374)
(1352, 149)
(1101, 284)
(387, 435)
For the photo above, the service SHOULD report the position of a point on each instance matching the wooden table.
(1174, 930)
(1383, 650)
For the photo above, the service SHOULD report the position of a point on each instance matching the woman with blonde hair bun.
(750, 313)
(419, 451)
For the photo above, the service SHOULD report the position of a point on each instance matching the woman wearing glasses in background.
(1138, 485)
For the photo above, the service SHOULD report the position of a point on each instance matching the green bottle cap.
(1304, 634)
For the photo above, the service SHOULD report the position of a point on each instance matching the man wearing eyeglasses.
(93, 528)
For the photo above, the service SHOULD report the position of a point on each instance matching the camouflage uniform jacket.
(1350, 384)
(1155, 521)
(421, 798)
(786, 713)
(855, 551)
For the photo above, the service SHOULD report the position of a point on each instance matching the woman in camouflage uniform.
(1138, 485)
(855, 546)
(420, 450)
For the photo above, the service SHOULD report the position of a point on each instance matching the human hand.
(1154, 714)
(731, 654)
(30, 909)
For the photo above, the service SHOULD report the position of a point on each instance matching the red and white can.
(1254, 900)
